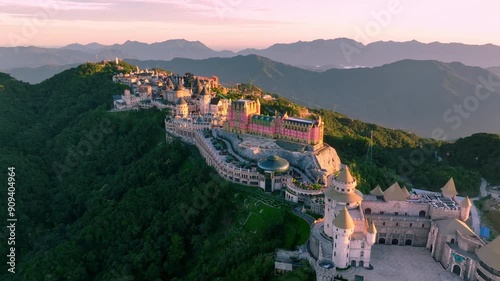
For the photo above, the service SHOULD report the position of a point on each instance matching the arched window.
(421, 214)
(368, 211)
(452, 241)
(411, 224)
(362, 254)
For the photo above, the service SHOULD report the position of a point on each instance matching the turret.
(181, 107)
(344, 182)
(465, 209)
(343, 227)
(205, 98)
(449, 189)
(371, 234)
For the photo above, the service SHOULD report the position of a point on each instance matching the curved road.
(297, 211)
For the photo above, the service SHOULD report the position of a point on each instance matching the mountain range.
(317, 54)
(417, 96)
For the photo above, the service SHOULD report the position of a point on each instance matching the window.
(335, 236)
(342, 190)
(397, 224)
(383, 223)
(368, 211)
(362, 244)
(396, 213)
(421, 214)
(411, 224)
(362, 254)
(334, 254)
(423, 225)
(347, 204)
(381, 212)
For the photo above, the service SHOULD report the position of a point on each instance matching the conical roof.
(405, 191)
(199, 86)
(449, 189)
(344, 220)
(394, 193)
(181, 101)
(372, 229)
(204, 92)
(345, 176)
(490, 254)
(377, 191)
(466, 202)
(170, 84)
(179, 86)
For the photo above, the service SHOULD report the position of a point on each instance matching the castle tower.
(127, 97)
(343, 228)
(371, 234)
(181, 108)
(205, 98)
(258, 107)
(344, 182)
(465, 209)
(341, 193)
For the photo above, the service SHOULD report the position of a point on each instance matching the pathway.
(297, 210)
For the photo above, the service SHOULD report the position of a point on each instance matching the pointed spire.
(345, 176)
(466, 202)
(394, 193)
(344, 220)
(372, 229)
(377, 191)
(449, 189)
(204, 92)
(405, 191)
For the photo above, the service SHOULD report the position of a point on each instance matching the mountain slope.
(17, 57)
(412, 95)
(349, 53)
(34, 75)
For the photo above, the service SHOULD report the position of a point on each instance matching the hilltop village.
(286, 154)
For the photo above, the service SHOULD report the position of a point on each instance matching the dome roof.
(274, 163)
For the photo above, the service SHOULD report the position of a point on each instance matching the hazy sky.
(237, 24)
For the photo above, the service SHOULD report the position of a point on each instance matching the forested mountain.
(102, 196)
(417, 96)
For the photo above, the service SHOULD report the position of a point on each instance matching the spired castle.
(354, 222)
(244, 117)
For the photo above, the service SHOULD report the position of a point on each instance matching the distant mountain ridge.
(418, 96)
(318, 54)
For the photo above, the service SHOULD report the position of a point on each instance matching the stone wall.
(314, 166)
(391, 207)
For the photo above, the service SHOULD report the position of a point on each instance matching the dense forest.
(102, 196)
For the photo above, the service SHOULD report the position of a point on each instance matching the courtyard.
(396, 263)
